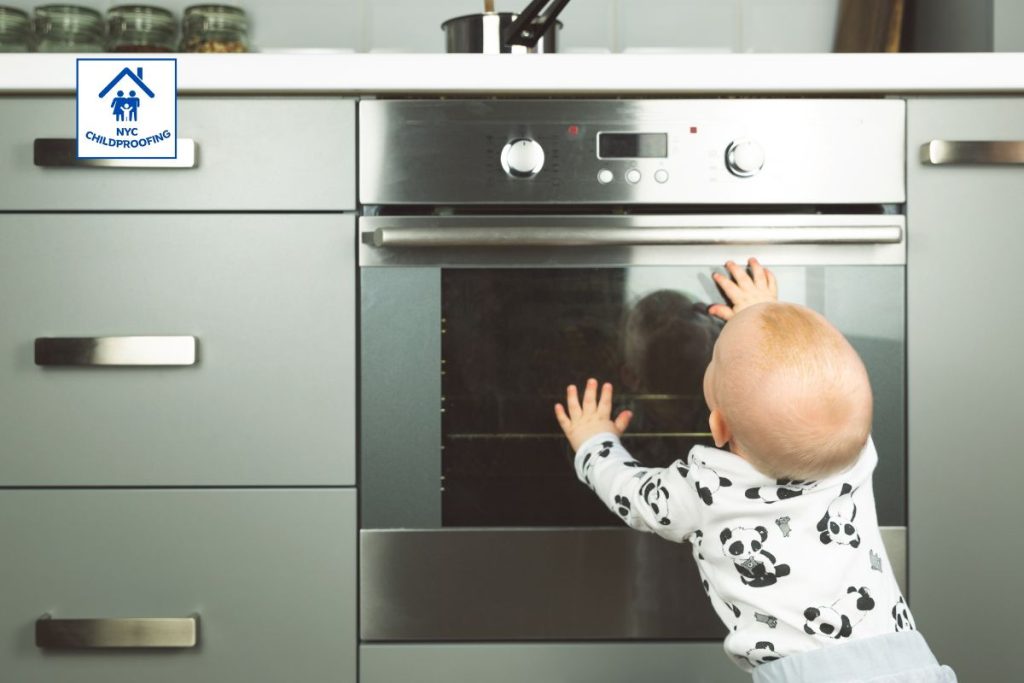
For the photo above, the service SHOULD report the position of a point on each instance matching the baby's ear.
(719, 429)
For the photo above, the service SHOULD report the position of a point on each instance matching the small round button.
(744, 158)
(661, 175)
(633, 176)
(604, 176)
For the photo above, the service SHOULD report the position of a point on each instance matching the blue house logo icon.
(126, 107)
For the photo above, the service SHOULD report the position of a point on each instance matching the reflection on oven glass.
(513, 339)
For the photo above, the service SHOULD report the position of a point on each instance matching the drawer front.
(252, 154)
(270, 398)
(269, 574)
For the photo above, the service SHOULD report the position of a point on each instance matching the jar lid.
(13, 20)
(68, 19)
(214, 18)
(123, 18)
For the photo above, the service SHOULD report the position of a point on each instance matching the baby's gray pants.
(892, 658)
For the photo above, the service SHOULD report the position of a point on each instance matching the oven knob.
(744, 158)
(522, 158)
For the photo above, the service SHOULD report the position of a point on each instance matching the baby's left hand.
(592, 417)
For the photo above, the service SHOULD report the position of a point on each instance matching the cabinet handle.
(96, 351)
(63, 153)
(65, 634)
(979, 152)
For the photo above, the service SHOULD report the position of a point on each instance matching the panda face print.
(757, 566)
(762, 653)
(783, 489)
(655, 495)
(603, 451)
(837, 621)
(704, 479)
(837, 524)
(698, 543)
(901, 616)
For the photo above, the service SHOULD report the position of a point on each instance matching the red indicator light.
(574, 130)
(693, 129)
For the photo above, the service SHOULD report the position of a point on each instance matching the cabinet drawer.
(252, 154)
(270, 399)
(268, 574)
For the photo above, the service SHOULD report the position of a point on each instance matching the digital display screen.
(632, 145)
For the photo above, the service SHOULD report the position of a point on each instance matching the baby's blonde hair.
(795, 394)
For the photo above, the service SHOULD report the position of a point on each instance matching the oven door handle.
(536, 236)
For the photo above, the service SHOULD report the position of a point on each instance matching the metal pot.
(486, 33)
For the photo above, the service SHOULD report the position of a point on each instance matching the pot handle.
(527, 29)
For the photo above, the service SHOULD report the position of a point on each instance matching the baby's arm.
(648, 499)
(744, 290)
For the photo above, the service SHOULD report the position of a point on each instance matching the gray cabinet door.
(254, 154)
(271, 398)
(270, 575)
(965, 389)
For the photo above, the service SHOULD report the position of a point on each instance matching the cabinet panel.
(270, 399)
(253, 154)
(270, 574)
(965, 393)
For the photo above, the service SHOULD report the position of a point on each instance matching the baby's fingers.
(739, 274)
(728, 287)
(590, 396)
(572, 402)
(622, 421)
(563, 420)
(757, 272)
(604, 404)
(721, 311)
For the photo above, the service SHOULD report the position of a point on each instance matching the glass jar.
(214, 28)
(15, 30)
(68, 28)
(140, 28)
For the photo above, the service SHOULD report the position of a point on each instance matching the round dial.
(744, 158)
(522, 158)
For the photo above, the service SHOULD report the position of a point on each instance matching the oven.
(508, 248)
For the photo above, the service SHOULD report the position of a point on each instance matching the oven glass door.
(467, 483)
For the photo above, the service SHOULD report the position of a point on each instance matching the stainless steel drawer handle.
(116, 351)
(989, 152)
(64, 634)
(63, 153)
(630, 237)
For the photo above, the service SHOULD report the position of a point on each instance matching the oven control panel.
(754, 151)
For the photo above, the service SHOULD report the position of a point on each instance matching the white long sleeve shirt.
(790, 566)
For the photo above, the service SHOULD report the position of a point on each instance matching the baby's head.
(788, 392)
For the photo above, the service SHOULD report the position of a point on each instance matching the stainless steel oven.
(509, 248)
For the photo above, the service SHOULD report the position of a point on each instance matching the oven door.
(474, 526)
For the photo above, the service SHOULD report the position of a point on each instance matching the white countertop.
(560, 74)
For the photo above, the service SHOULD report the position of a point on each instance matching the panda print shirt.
(789, 565)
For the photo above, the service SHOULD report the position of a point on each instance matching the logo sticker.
(127, 108)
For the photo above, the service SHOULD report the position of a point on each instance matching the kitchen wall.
(590, 25)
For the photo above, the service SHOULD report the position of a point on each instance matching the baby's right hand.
(744, 290)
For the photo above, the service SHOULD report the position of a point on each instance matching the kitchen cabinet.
(252, 154)
(965, 395)
(270, 399)
(207, 481)
(269, 574)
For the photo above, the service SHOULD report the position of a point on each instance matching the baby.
(782, 522)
